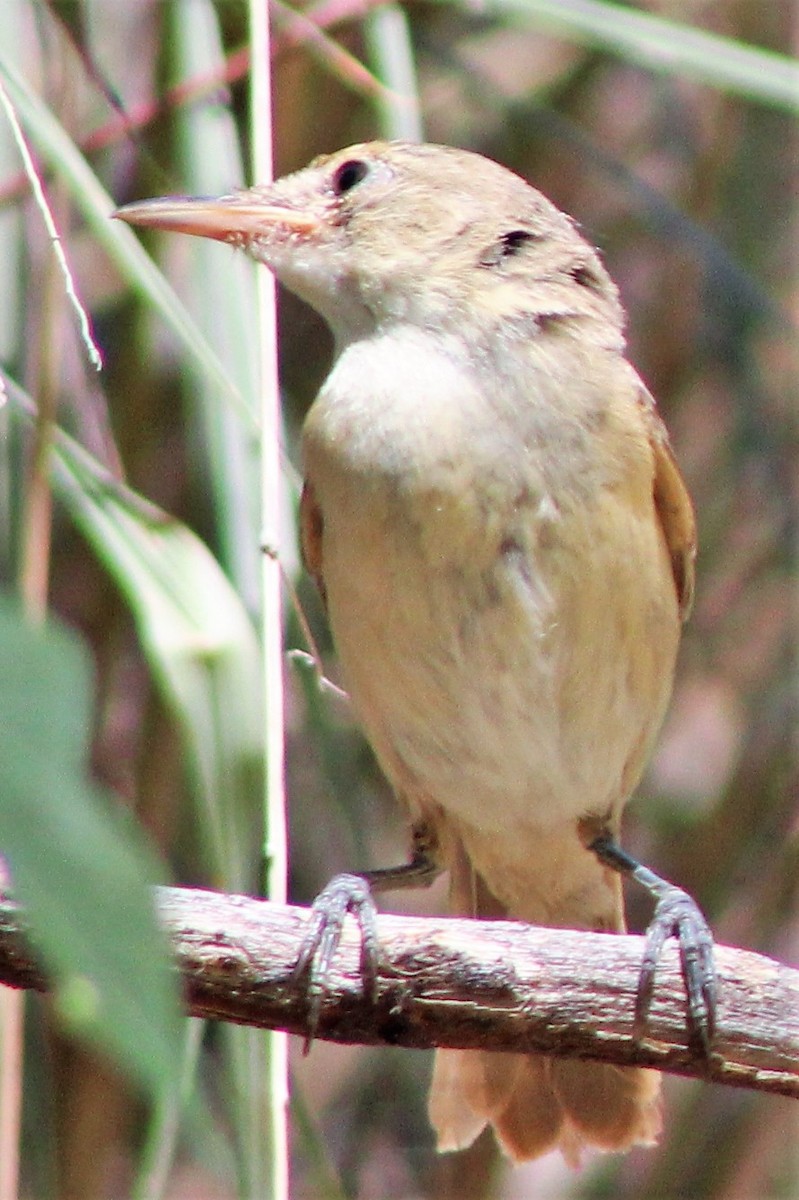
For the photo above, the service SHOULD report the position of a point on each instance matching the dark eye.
(349, 175)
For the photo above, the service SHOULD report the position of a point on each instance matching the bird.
(506, 549)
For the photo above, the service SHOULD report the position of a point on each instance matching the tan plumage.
(505, 546)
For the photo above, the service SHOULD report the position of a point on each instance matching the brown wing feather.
(311, 531)
(673, 506)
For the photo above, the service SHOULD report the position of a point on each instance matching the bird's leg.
(422, 869)
(676, 914)
(352, 893)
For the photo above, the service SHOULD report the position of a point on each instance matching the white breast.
(507, 659)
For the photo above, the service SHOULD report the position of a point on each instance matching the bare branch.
(446, 982)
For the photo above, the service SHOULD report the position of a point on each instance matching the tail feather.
(471, 1089)
(457, 1124)
(535, 1103)
(611, 1107)
(531, 1122)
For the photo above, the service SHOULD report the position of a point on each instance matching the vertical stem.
(11, 1040)
(276, 840)
(388, 39)
(33, 583)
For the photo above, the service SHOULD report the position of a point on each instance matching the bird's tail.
(536, 1103)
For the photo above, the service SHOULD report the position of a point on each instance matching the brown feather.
(533, 1103)
(311, 530)
(673, 506)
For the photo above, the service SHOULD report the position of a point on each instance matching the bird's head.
(393, 231)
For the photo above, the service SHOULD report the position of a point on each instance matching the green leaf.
(79, 867)
(198, 638)
(199, 642)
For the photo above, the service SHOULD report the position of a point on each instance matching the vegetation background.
(676, 152)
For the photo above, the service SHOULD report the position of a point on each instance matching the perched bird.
(506, 550)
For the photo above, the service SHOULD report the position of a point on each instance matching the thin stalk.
(161, 1137)
(388, 39)
(275, 856)
(34, 585)
(12, 1016)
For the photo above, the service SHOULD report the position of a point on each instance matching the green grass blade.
(662, 45)
(59, 151)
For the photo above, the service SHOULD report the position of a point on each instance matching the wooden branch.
(446, 982)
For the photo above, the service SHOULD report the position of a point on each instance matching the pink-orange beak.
(236, 218)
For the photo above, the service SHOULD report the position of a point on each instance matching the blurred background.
(677, 154)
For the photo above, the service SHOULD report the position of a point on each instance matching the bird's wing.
(673, 506)
(311, 529)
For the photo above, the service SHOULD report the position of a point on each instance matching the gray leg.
(676, 914)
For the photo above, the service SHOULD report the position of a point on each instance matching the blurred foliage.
(675, 148)
(64, 840)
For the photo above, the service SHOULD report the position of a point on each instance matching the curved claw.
(677, 914)
(343, 894)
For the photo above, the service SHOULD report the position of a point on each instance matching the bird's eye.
(349, 175)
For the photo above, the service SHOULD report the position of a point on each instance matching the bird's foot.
(678, 915)
(343, 894)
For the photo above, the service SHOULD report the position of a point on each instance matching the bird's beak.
(238, 218)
